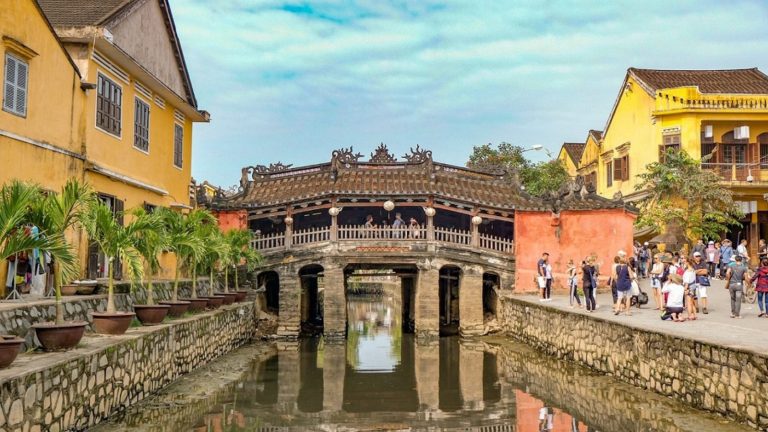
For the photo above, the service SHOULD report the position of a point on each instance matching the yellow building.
(108, 101)
(722, 113)
(570, 155)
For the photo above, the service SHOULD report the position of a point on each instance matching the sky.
(292, 81)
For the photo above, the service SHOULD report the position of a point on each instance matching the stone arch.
(269, 297)
(491, 285)
(311, 305)
(448, 288)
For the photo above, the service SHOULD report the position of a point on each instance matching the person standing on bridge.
(589, 282)
(573, 284)
(398, 226)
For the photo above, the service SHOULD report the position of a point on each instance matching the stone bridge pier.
(439, 296)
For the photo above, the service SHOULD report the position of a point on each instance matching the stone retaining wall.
(76, 389)
(17, 318)
(731, 382)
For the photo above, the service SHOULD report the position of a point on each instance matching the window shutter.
(625, 168)
(617, 170)
(21, 88)
(9, 86)
(609, 174)
(178, 146)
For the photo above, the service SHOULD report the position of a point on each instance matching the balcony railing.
(669, 103)
(355, 233)
(743, 172)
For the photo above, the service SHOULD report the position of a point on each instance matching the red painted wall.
(229, 220)
(576, 235)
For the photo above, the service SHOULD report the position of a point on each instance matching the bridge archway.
(450, 281)
(311, 318)
(270, 297)
(491, 285)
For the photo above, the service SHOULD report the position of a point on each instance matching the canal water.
(381, 379)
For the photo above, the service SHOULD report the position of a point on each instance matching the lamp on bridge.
(429, 211)
(334, 211)
(477, 220)
(288, 220)
(389, 205)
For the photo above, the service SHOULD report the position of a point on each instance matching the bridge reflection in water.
(380, 379)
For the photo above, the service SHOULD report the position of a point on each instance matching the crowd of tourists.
(680, 281)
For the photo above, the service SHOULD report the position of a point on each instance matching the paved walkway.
(749, 333)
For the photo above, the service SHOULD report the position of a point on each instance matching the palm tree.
(239, 241)
(150, 243)
(116, 242)
(182, 240)
(55, 215)
(198, 262)
(215, 249)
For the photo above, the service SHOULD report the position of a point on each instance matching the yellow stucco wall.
(567, 162)
(589, 157)
(58, 138)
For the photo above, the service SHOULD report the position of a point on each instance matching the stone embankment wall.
(76, 389)
(731, 382)
(17, 318)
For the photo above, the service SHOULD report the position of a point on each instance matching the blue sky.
(292, 81)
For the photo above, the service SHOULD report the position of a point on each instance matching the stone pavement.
(749, 333)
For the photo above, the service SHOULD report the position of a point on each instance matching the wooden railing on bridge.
(348, 233)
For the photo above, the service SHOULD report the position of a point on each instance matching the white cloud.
(292, 81)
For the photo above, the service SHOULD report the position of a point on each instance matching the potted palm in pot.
(17, 204)
(149, 243)
(180, 230)
(57, 215)
(239, 241)
(215, 249)
(116, 242)
(226, 260)
(200, 221)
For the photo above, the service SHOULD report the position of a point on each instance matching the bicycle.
(750, 293)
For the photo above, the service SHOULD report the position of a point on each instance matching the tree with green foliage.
(56, 215)
(239, 241)
(682, 194)
(539, 179)
(182, 240)
(117, 243)
(150, 243)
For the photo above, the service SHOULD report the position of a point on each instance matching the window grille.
(108, 106)
(141, 126)
(178, 145)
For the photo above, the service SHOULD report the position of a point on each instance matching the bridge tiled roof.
(419, 178)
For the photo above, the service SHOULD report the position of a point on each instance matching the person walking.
(675, 293)
(623, 276)
(726, 253)
(702, 282)
(573, 284)
(712, 254)
(612, 280)
(656, 271)
(762, 250)
(699, 246)
(690, 286)
(742, 251)
(734, 280)
(544, 278)
(761, 277)
(589, 283)
(643, 260)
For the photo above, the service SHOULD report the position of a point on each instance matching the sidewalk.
(749, 333)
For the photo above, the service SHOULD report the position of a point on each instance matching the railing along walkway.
(347, 233)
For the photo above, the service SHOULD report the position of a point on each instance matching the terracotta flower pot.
(64, 336)
(241, 295)
(214, 302)
(197, 304)
(85, 289)
(151, 314)
(69, 290)
(229, 298)
(177, 308)
(9, 348)
(112, 323)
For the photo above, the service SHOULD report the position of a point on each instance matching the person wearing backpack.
(761, 276)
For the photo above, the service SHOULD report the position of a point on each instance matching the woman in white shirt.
(675, 298)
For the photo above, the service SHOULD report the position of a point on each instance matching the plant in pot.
(58, 216)
(206, 223)
(149, 243)
(215, 249)
(225, 262)
(19, 203)
(117, 243)
(239, 241)
(182, 241)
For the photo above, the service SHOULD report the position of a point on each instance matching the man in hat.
(735, 278)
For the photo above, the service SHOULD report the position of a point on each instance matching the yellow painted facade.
(59, 138)
(567, 162)
(644, 120)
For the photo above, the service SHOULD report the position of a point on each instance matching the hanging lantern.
(429, 211)
(334, 211)
(477, 220)
(288, 220)
(389, 205)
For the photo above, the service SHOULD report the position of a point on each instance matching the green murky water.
(381, 379)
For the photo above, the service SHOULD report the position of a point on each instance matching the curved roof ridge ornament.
(344, 157)
(418, 155)
(382, 155)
